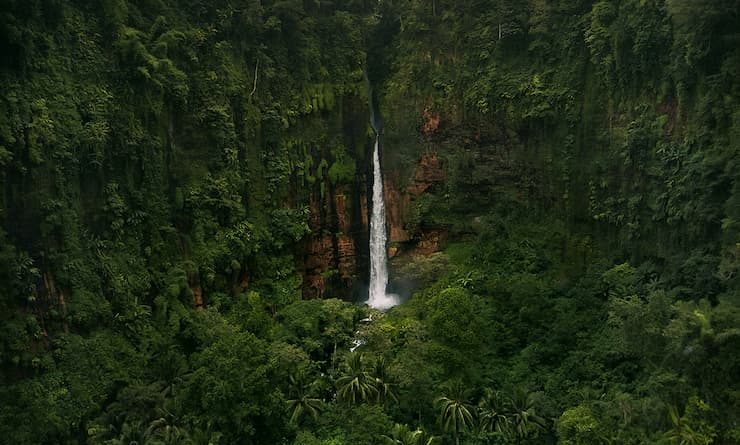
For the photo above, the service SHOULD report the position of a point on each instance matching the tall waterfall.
(378, 299)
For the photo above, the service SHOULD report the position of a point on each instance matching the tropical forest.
(370, 222)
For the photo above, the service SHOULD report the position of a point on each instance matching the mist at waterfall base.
(378, 297)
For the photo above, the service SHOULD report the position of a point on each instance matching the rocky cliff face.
(476, 166)
(428, 172)
(335, 255)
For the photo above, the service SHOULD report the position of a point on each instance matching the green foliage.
(456, 415)
(343, 169)
(403, 435)
(302, 404)
(692, 427)
(454, 318)
(318, 326)
(578, 426)
(356, 384)
(232, 390)
(165, 167)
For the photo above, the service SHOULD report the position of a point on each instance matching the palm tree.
(302, 402)
(172, 435)
(206, 436)
(492, 413)
(356, 385)
(455, 414)
(402, 435)
(522, 414)
(422, 438)
(137, 433)
(682, 433)
(385, 388)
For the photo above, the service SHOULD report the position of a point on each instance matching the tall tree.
(403, 435)
(386, 388)
(302, 402)
(356, 385)
(523, 415)
(456, 413)
(492, 413)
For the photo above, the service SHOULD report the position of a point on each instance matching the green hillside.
(184, 195)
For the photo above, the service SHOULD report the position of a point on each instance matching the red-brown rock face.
(430, 242)
(399, 203)
(428, 172)
(330, 265)
(397, 206)
(339, 224)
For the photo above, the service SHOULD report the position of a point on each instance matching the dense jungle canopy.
(184, 191)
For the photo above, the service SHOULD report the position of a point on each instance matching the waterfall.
(378, 298)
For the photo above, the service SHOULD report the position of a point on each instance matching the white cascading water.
(378, 298)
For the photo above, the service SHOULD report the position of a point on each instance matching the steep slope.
(185, 193)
